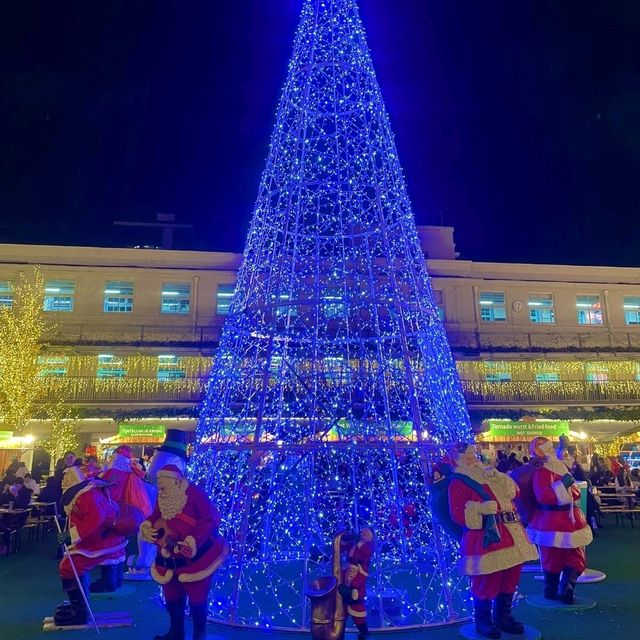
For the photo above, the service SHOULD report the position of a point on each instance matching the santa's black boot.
(484, 619)
(84, 581)
(120, 575)
(504, 619)
(74, 614)
(199, 619)
(176, 622)
(568, 585)
(551, 581)
(108, 580)
(363, 631)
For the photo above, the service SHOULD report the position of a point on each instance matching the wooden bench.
(620, 511)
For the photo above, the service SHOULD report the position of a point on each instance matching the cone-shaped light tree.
(333, 386)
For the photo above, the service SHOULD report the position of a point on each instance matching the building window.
(541, 308)
(589, 309)
(59, 295)
(118, 297)
(547, 376)
(223, 298)
(170, 368)
(6, 294)
(176, 297)
(492, 306)
(110, 366)
(53, 366)
(631, 306)
(596, 372)
(498, 376)
(334, 306)
(439, 300)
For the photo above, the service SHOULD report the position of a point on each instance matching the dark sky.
(517, 121)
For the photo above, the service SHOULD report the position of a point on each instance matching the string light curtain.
(333, 385)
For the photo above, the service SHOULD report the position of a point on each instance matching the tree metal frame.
(333, 386)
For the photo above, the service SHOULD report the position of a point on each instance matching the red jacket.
(91, 516)
(559, 521)
(197, 527)
(513, 547)
(358, 562)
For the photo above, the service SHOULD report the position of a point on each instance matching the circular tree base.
(121, 592)
(540, 602)
(592, 575)
(530, 633)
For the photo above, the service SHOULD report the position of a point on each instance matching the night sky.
(517, 122)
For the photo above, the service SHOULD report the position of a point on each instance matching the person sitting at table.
(51, 491)
(30, 483)
(22, 470)
(22, 495)
(7, 495)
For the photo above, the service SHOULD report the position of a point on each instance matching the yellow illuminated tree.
(64, 432)
(22, 326)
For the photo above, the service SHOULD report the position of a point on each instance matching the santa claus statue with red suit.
(91, 536)
(124, 476)
(494, 544)
(558, 525)
(354, 580)
(184, 525)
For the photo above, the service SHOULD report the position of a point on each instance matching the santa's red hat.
(124, 450)
(171, 471)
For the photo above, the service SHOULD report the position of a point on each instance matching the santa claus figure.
(354, 580)
(124, 476)
(494, 544)
(184, 525)
(172, 451)
(558, 525)
(90, 534)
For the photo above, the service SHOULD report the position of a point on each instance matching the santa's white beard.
(172, 502)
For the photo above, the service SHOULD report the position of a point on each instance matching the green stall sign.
(141, 430)
(510, 429)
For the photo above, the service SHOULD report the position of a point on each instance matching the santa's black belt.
(553, 507)
(508, 516)
(178, 563)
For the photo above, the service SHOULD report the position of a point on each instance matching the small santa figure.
(354, 580)
(184, 525)
(494, 544)
(558, 525)
(91, 518)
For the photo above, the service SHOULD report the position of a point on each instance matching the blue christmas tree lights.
(333, 387)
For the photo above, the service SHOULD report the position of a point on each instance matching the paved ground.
(30, 590)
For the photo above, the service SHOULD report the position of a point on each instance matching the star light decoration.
(333, 387)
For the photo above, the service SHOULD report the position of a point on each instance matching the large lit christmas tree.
(333, 386)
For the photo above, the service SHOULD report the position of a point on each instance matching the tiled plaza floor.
(30, 589)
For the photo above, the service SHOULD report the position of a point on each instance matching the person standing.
(494, 543)
(558, 525)
(184, 525)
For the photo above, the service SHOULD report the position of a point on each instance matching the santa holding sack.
(558, 525)
(184, 525)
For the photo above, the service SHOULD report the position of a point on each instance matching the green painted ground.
(29, 591)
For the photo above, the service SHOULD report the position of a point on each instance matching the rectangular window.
(334, 306)
(492, 306)
(118, 297)
(59, 295)
(631, 307)
(53, 366)
(439, 300)
(541, 308)
(548, 376)
(596, 372)
(6, 294)
(589, 309)
(170, 368)
(223, 298)
(498, 376)
(110, 366)
(176, 297)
